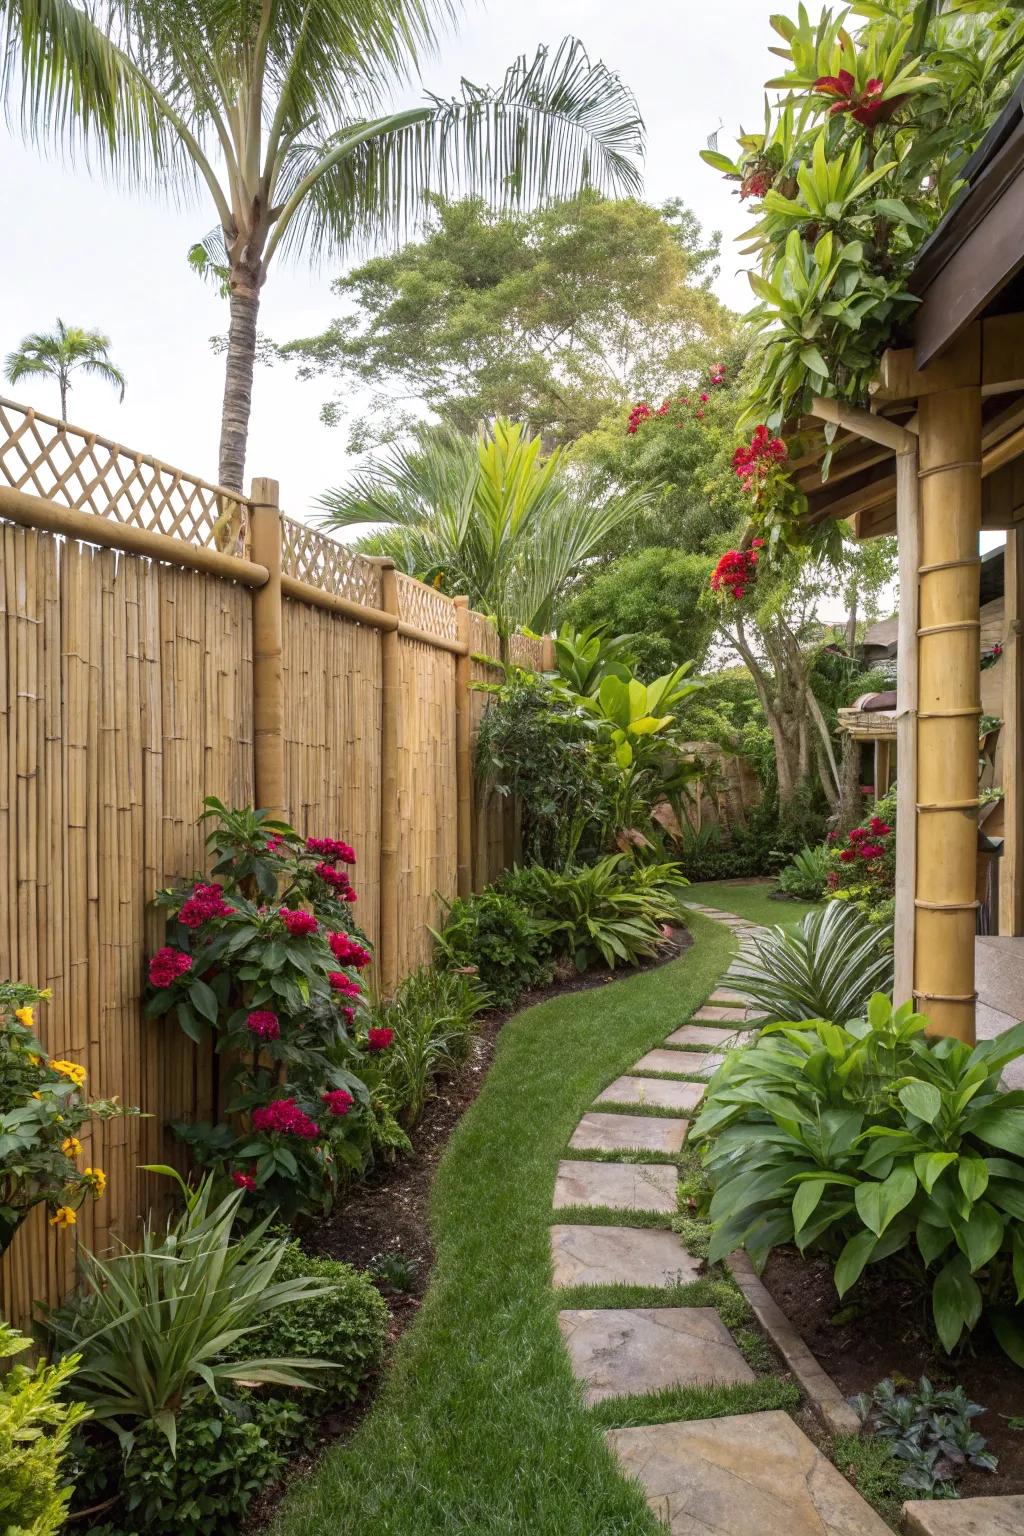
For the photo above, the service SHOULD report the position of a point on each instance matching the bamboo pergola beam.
(877, 429)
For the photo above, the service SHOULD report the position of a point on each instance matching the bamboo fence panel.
(428, 847)
(488, 822)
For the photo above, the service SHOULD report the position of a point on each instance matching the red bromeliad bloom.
(865, 107)
(338, 1100)
(379, 1039)
(167, 965)
(243, 1180)
(285, 1116)
(331, 849)
(298, 922)
(344, 984)
(263, 1024)
(756, 182)
(345, 949)
(206, 902)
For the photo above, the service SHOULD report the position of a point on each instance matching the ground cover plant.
(480, 1424)
(931, 1432)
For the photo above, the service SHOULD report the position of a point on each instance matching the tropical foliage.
(60, 353)
(489, 515)
(35, 1429)
(283, 114)
(862, 865)
(930, 1430)
(806, 874)
(825, 967)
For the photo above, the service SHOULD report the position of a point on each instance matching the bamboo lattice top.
(315, 558)
(88, 473)
(425, 608)
(526, 651)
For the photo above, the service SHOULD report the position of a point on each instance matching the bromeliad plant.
(42, 1111)
(278, 984)
(868, 1143)
(825, 967)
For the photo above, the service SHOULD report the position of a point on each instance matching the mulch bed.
(389, 1213)
(884, 1332)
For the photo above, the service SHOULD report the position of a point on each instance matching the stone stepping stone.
(622, 1186)
(986, 1516)
(620, 1256)
(656, 1092)
(730, 999)
(703, 1034)
(719, 1013)
(751, 1474)
(617, 1351)
(692, 1063)
(599, 1132)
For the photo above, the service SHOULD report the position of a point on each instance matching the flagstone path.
(753, 1474)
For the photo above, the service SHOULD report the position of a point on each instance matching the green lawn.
(751, 899)
(479, 1429)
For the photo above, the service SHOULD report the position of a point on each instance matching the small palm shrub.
(497, 938)
(430, 1019)
(825, 967)
(806, 875)
(612, 911)
(35, 1428)
(869, 1143)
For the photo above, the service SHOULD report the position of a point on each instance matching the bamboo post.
(1011, 870)
(948, 705)
(883, 772)
(267, 680)
(908, 541)
(390, 703)
(548, 663)
(463, 754)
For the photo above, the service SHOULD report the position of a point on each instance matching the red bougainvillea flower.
(879, 827)
(263, 1024)
(858, 835)
(639, 413)
(344, 984)
(865, 107)
(736, 570)
(297, 923)
(331, 849)
(379, 1039)
(847, 855)
(167, 965)
(753, 462)
(871, 851)
(243, 1180)
(206, 902)
(285, 1116)
(338, 1100)
(716, 373)
(348, 951)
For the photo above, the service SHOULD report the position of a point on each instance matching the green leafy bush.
(806, 874)
(869, 1142)
(431, 1019)
(611, 911)
(931, 1432)
(825, 967)
(504, 945)
(345, 1322)
(35, 1428)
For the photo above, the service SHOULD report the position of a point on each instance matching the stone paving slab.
(657, 1092)
(723, 995)
(617, 1351)
(704, 1034)
(623, 1186)
(693, 1063)
(719, 1013)
(986, 1516)
(606, 1132)
(620, 1256)
(751, 1474)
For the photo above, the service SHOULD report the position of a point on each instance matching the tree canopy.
(553, 318)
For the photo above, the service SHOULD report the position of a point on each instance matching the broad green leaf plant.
(860, 156)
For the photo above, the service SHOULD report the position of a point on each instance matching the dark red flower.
(331, 849)
(243, 1180)
(206, 902)
(263, 1024)
(379, 1039)
(348, 951)
(879, 827)
(639, 413)
(336, 878)
(284, 1115)
(871, 851)
(848, 855)
(167, 965)
(716, 373)
(273, 844)
(858, 834)
(338, 1100)
(344, 984)
(297, 922)
(866, 107)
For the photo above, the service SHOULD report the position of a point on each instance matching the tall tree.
(60, 353)
(552, 318)
(490, 516)
(279, 108)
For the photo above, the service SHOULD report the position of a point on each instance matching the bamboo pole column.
(390, 704)
(908, 543)
(463, 755)
(267, 680)
(948, 704)
(1011, 865)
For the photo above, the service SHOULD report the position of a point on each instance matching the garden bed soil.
(389, 1213)
(882, 1331)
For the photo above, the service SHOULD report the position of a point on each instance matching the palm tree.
(60, 353)
(281, 110)
(487, 516)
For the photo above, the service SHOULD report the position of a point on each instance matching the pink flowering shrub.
(863, 871)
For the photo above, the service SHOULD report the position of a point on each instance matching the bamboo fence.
(162, 639)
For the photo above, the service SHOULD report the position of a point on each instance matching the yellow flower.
(33, 1060)
(63, 1216)
(25, 1016)
(71, 1146)
(70, 1069)
(97, 1178)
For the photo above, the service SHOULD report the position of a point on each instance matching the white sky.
(98, 257)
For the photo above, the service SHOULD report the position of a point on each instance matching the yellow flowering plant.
(43, 1107)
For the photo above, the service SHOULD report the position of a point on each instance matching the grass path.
(750, 900)
(479, 1429)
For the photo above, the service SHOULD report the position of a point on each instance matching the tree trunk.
(241, 363)
(62, 381)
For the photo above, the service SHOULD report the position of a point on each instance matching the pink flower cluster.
(274, 843)
(338, 1100)
(345, 949)
(263, 1024)
(330, 849)
(205, 903)
(379, 1039)
(861, 845)
(343, 984)
(642, 411)
(754, 462)
(337, 880)
(297, 922)
(284, 1115)
(167, 965)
